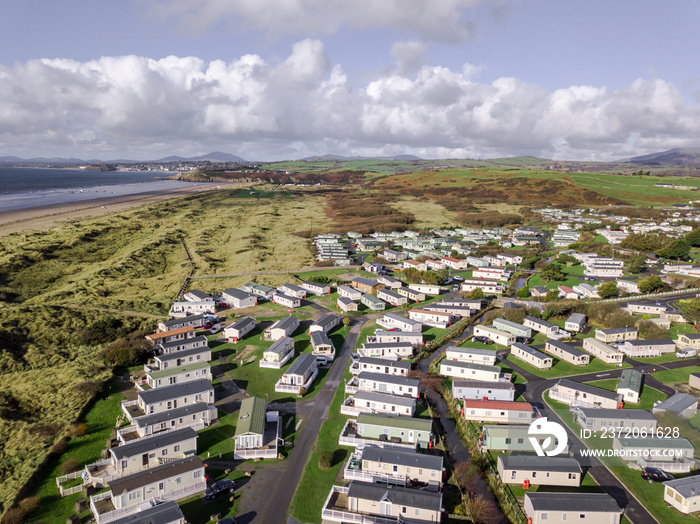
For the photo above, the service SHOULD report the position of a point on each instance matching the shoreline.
(45, 217)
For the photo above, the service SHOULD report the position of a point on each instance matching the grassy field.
(81, 450)
(561, 368)
(428, 214)
(67, 292)
(649, 396)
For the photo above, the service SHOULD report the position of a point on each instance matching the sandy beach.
(44, 217)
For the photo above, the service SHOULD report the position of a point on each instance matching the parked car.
(458, 278)
(219, 488)
(216, 328)
(483, 340)
(223, 304)
(655, 475)
(206, 327)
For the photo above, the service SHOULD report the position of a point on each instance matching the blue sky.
(277, 79)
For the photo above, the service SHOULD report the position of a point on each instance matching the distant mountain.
(340, 157)
(688, 156)
(215, 156)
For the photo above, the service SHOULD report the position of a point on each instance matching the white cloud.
(441, 20)
(138, 107)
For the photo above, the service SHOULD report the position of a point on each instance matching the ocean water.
(26, 187)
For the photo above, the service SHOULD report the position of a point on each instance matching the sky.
(287, 79)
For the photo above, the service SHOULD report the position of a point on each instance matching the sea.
(29, 187)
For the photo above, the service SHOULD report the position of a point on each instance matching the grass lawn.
(86, 449)
(572, 273)
(564, 369)
(260, 382)
(315, 483)
(649, 395)
(218, 439)
(517, 377)
(661, 359)
(650, 495)
(676, 376)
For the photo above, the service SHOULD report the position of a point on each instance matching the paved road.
(534, 393)
(280, 489)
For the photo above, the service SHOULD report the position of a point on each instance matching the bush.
(69, 466)
(29, 504)
(77, 429)
(325, 460)
(13, 516)
(121, 356)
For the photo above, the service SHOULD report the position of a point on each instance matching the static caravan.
(648, 348)
(395, 350)
(512, 327)
(598, 420)
(576, 394)
(498, 411)
(477, 390)
(499, 337)
(512, 438)
(346, 304)
(391, 297)
(602, 351)
(630, 385)
(473, 355)
(237, 298)
(561, 508)
(683, 494)
(239, 329)
(539, 471)
(286, 300)
(616, 334)
(349, 292)
(284, 327)
(372, 302)
(398, 322)
(402, 429)
(568, 353)
(531, 356)
(391, 384)
(469, 371)
(381, 365)
(325, 324)
(415, 338)
(431, 318)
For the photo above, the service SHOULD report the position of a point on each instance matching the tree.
(608, 289)
(523, 292)
(325, 460)
(693, 238)
(346, 321)
(568, 260)
(678, 248)
(552, 272)
(636, 264)
(551, 295)
(690, 310)
(650, 284)
(474, 294)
